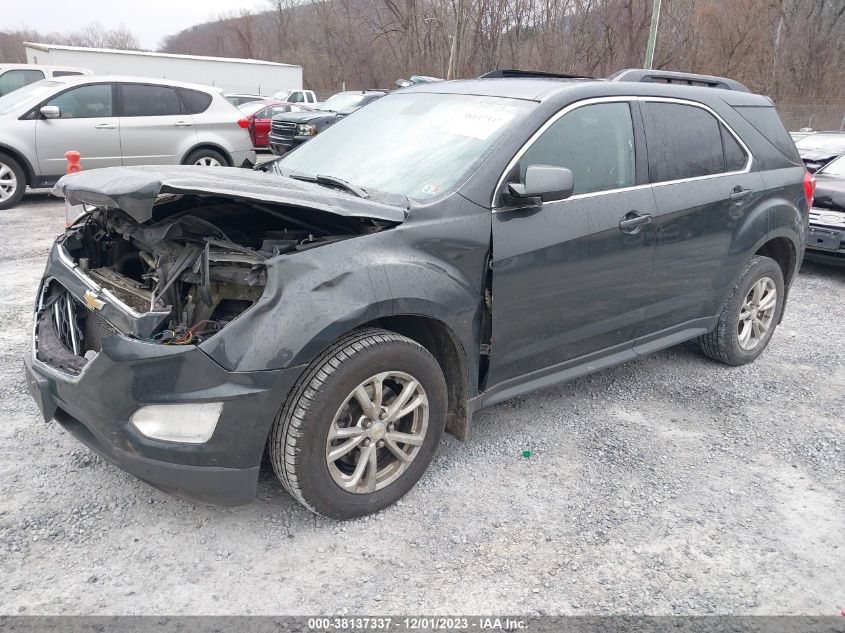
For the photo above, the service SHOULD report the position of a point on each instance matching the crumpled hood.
(830, 192)
(134, 190)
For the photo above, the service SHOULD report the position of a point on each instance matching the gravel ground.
(670, 485)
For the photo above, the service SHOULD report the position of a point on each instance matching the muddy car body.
(193, 318)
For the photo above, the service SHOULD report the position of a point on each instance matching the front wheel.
(12, 182)
(749, 316)
(361, 426)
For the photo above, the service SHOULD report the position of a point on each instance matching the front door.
(568, 280)
(87, 124)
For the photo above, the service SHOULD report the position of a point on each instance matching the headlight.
(304, 129)
(187, 423)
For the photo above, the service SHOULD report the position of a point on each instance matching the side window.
(735, 156)
(143, 100)
(85, 102)
(684, 141)
(296, 97)
(13, 79)
(65, 73)
(195, 102)
(595, 142)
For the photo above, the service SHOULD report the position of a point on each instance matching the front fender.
(314, 297)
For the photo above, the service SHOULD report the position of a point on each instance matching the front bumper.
(280, 145)
(96, 403)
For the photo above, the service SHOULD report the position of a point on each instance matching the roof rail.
(506, 73)
(670, 77)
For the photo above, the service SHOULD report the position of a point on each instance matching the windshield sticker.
(473, 122)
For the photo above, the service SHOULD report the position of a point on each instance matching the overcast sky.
(149, 20)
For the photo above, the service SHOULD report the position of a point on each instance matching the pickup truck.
(291, 129)
(297, 96)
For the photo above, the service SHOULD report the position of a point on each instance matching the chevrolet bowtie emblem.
(93, 301)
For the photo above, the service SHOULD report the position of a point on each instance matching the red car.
(258, 115)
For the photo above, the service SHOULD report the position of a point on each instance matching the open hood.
(135, 190)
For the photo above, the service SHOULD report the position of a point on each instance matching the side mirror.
(50, 112)
(544, 181)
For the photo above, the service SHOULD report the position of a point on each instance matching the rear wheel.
(361, 426)
(750, 315)
(207, 158)
(12, 182)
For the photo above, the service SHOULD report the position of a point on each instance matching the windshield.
(342, 101)
(835, 142)
(834, 168)
(28, 94)
(415, 144)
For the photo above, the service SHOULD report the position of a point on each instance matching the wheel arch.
(29, 172)
(784, 252)
(207, 145)
(439, 339)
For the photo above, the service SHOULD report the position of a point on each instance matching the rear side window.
(735, 156)
(143, 100)
(765, 120)
(684, 141)
(595, 142)
(195, 101)
(14, 79)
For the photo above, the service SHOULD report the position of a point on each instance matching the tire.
(323, 401)
(207, 158)
(12, 182)
(725, 343)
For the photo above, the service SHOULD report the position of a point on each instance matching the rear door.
(568, 281)
(155, 128)
(87, 125)
(704, 190)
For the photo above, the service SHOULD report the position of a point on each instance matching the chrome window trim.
(621, 99)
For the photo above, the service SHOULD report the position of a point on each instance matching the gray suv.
(113, 121)
(444, 249)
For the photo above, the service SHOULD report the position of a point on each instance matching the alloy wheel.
(8, 182)
(377, 432)
(757, 313)
(208, 161)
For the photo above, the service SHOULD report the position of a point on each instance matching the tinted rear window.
(195, 101)
(683, 142)
(765, 120)
(142, 100)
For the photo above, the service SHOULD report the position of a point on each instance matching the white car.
(114, 121)
(15, 76)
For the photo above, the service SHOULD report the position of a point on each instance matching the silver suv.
(114, 121)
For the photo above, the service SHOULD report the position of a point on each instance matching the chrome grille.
(66, 322)
(284, 129)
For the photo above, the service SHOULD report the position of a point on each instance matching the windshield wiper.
(333, 181)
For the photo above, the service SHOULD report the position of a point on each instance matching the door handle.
(104, 126)
(633, 222)
(740, 193)
(183, 124)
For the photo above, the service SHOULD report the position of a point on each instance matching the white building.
(251, 76)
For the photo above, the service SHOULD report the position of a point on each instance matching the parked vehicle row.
(292, 129)
(819, 148)
(114, 121)
(445, 248)
(259, 115)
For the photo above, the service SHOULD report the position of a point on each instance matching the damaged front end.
(193, 263)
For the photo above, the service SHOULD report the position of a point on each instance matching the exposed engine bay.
(200, 262)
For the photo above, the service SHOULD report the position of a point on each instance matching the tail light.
(244, 123)
(809, 187)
